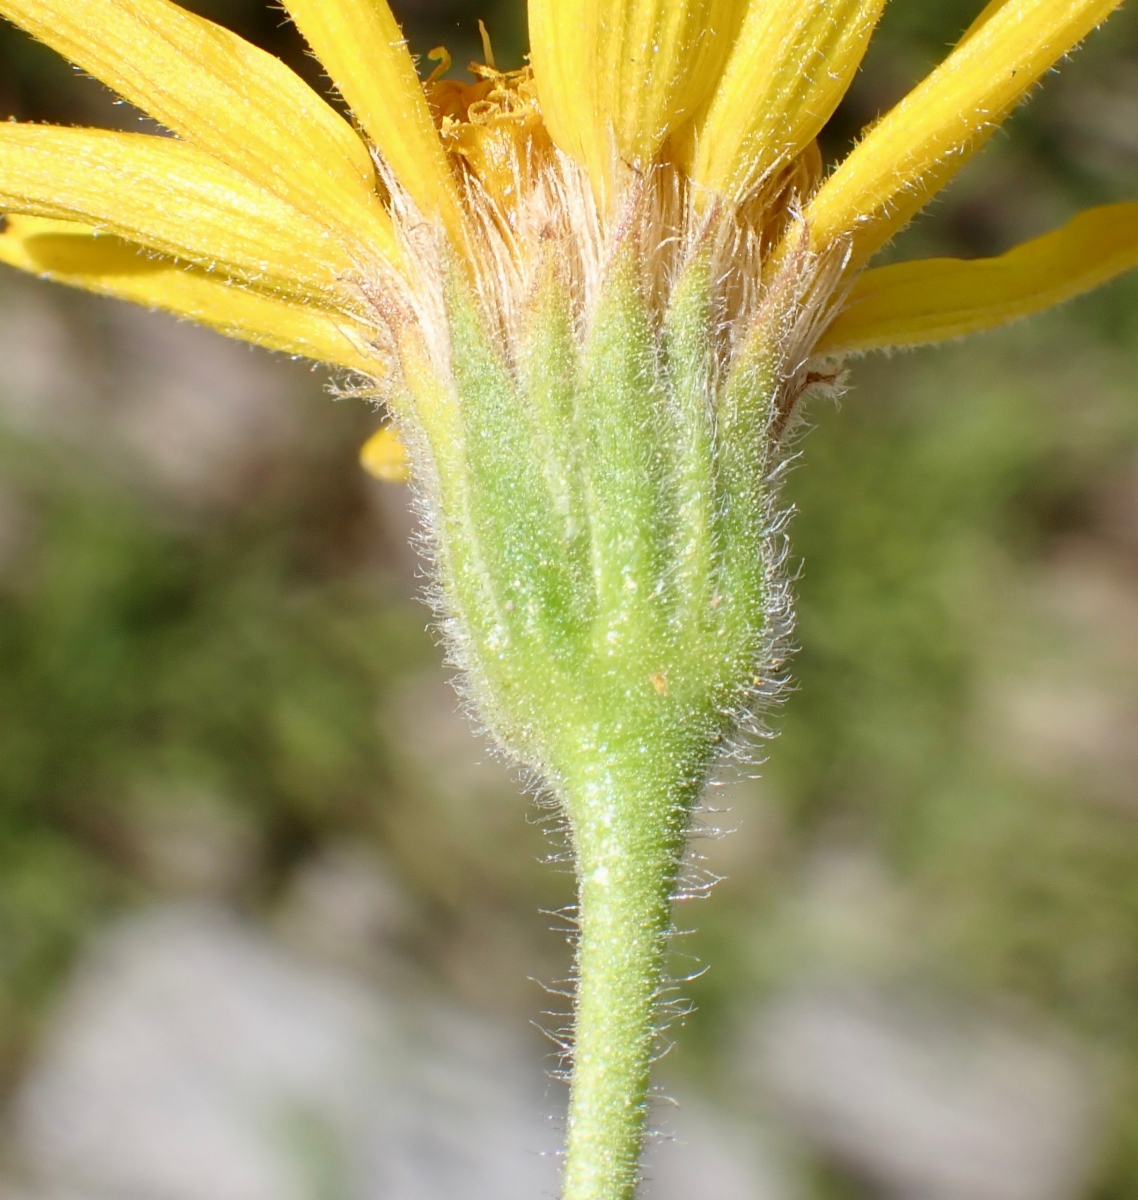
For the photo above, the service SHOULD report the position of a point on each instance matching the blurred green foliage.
(943, 511)
(967, 521)
(234, 659)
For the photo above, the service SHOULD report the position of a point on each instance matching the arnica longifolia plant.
(591, 294)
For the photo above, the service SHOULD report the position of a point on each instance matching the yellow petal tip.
(384, 456)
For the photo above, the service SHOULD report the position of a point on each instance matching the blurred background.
(272, 919)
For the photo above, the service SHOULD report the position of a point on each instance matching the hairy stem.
(628, 842)
(601, 512)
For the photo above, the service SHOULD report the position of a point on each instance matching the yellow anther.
(487, 49)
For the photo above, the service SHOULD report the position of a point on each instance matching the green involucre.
(601, 524)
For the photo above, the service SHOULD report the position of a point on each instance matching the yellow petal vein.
(920, 144)
(929, 300)
(656, 62)
(363, 51)
(169, 197)
(69, 253)
(789, 67)
(224, 96)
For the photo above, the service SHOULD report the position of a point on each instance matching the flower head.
(591, 293)
(265, 215)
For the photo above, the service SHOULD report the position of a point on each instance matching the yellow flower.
(592, 293)
(271, 218)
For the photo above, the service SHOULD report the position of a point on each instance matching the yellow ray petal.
(69, 253)
(911, 202)
(986, 13)
(789, 67)
(917, 147)
(929, 300)
(170, 197)
(223, 95)
(384, 456)
(656, 61)
(363, 51)
(563, 41)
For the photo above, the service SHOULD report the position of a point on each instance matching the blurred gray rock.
(183, 408)
(703, 1153)
(925, 1107)
(196, 1058)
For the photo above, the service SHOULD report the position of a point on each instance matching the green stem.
(601, 511)
(627, 849)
